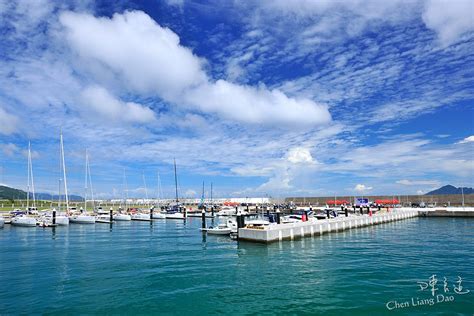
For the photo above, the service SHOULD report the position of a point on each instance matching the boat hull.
(159, 216)
(175, 216)
(82, 219)
(2, 222)
(62, 220)
(122, 217)
(23, 221)
(218, 231)
(141, 217)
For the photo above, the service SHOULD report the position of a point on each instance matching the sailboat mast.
(28, 185)
(211, 193)
(125, 187)
(85, 186)
(64, 172)
(146, 189)
(59, 180)
(160, 193)
(90, 182)
(202, 196)
(176, 182)
(32, 178)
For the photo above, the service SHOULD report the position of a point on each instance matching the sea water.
(170, 267)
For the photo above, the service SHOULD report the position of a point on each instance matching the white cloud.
(362, 188)
(468, 139)
(102, 102)
(417, 182)
(449, 19)
(299, 155)
(8, 123)
(9, 149)
(149, 59)
(190, 193)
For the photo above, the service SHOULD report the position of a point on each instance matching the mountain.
(450, 189)
(7, 193)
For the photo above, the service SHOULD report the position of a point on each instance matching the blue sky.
(278, 98)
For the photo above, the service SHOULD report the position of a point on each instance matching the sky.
(261, 98)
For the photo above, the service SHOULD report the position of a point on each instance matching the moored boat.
(23, 221)
(81, 219)
(139, 216)
(122, 217)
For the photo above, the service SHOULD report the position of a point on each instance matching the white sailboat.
(158, 214)
(25, 220)
(61, 219)
(120, 216)
(138, 215)
(81, 218)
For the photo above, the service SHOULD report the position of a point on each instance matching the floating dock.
(297, 230)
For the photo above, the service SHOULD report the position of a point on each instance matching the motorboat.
(222, 229)
(23, 221)
(219, 230)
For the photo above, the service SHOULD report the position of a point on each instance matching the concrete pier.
(296, 230)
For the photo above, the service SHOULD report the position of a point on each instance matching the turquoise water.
(168, 268)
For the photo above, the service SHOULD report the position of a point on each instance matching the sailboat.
(23, 219)
(174, 212)
(83, 217)
(139, 215)
(159, 215)
(123, 217)
(61, 220)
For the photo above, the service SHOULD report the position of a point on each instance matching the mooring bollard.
(346, 212)
(203, 218)
(278, 216)
(185, 211)
(212, 211)
(240, 221)
(268, 210)
(111, 214)
(327, 213)
(151, 213)
(305, 216)
(54, 217)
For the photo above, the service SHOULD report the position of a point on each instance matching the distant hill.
(48, 197)
(7, 193)
(450, 189)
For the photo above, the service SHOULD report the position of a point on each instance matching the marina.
(188, 157)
